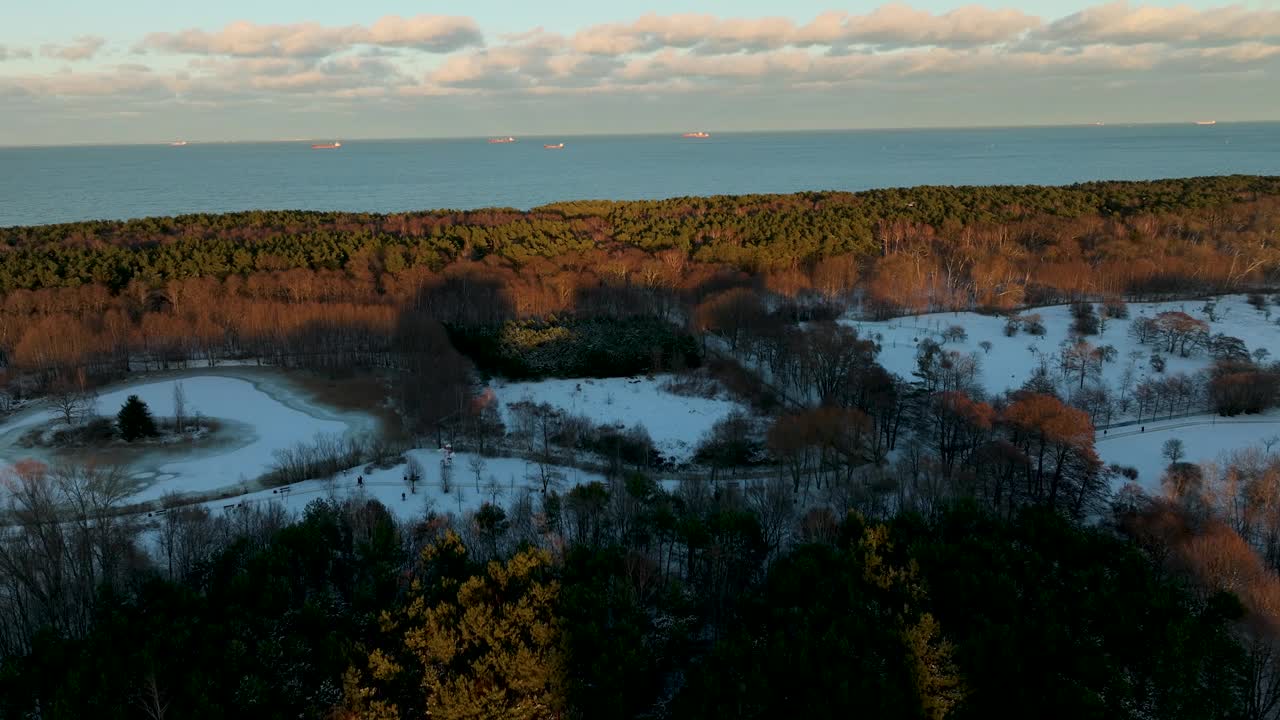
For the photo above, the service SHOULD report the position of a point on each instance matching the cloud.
(430, 33)
(895, 44)
(11, 53)
(1120, 23)
(83, 48)
(710, 34)
(895, 25)
(119, 83)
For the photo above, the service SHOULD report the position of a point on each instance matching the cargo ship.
(699, 135)
(178, 143)
(1206, 122)
(557, 146)
(501, 140)
(326, 146)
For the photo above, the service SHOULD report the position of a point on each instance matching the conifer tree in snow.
(135, 419)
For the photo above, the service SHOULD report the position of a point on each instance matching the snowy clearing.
(1205, 438)
(1012, 360)
(502, 480)
(676, 423)
(268, 417)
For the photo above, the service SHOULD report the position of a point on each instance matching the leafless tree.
(67, 540)
(179, 406)
(477, 466)
(413, 474)
(151, 699)
(188, 536)
(774, 503)
(70, 400)
(493, 487)
(446, 478)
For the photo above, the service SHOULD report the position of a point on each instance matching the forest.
(298, 286)
(853, 542)
(628, 600)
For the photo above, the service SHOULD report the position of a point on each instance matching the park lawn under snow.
(272, 424)
(1011, 360)
(676, 423)
(502, 480)
(1205, 439)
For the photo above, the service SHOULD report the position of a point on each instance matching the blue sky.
(148, 70)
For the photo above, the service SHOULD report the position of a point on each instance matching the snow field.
(1012, 360)
(273, 425)
(502, 480)
(1205, 438)
(676, 423)
(261, 418)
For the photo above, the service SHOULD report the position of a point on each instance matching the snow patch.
(676, 423)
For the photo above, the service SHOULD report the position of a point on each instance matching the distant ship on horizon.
(501, 140)
(1206, 122)
(557, 146)
(699, 135)
(178, 143)
(326, 146)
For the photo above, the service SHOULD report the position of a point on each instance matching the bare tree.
(188, 535)
(151, 700)
(413, 474)
(446, 478)
(68, 541)
(179, 406)
(477, 466)
(774, 503)
(1173, 450)
(69, 399)
(493, 487)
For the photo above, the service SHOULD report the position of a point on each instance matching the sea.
(41, 185)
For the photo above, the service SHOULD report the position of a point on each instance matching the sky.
(85, 71)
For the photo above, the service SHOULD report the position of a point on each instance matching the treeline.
(342, 290)
(620, 600)
(1171, 227)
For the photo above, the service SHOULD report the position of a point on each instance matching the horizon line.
(588, 134)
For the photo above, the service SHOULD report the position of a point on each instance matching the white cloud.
(431, 33)
(12, 53)
(897, 25)
(1124, 24)
(673, 54)
(82, 48)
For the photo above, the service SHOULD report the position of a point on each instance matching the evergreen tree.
(466, 646)
(135, 419)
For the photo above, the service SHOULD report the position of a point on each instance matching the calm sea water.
(60, 184)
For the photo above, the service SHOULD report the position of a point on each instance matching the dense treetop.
(754, 232)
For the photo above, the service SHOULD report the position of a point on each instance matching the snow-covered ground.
(1205, 438)
(261, 413)
(1012, 360)
(264, 417)
(675, 422)
(502, 480)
